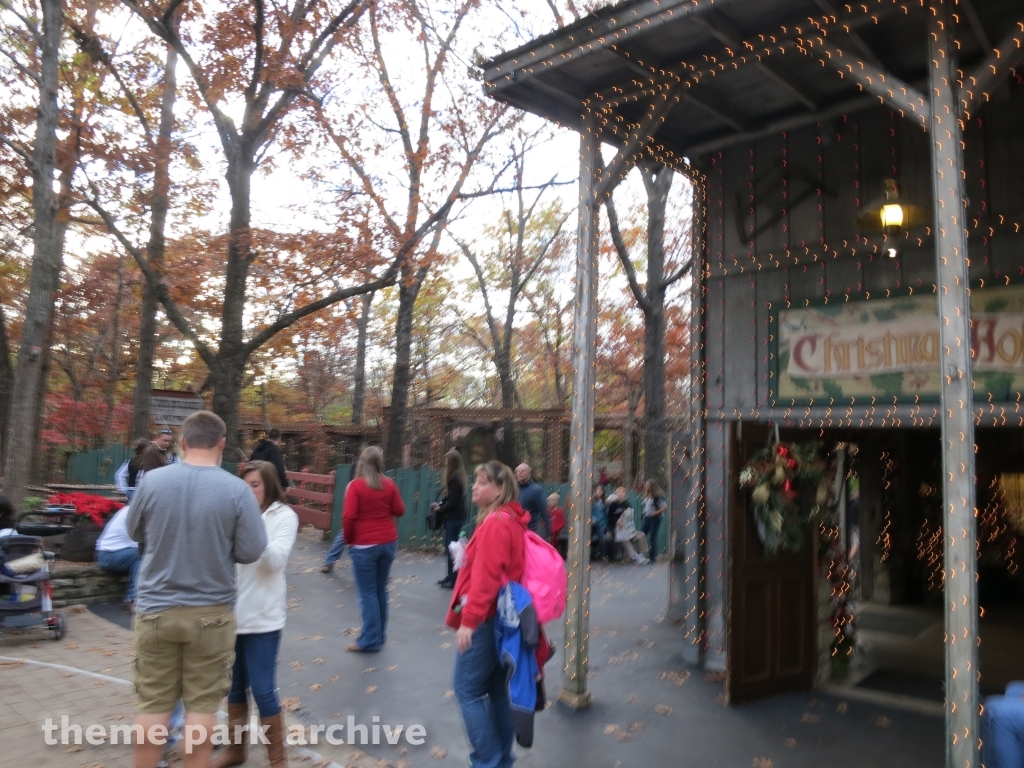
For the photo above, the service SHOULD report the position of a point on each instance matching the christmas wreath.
(790, 490)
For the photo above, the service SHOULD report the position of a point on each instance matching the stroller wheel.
(59, 627)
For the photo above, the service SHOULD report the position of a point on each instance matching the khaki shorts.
(184, 653)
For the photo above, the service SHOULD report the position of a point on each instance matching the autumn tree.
(270, 61)
(665, 267)
(409, 132)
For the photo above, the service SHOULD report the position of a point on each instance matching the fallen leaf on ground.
(368, 670)
(762, 762)
(715, 677)
(73, 748)
(78, 609)
(809, 718)
(663, 709)
(842, 707)
(315, 687)
(297, 666)
(631, 699)
(678, 677)
(71, 647)
(314, 638)
(402, 750)
(371, 688)
(791, 743)
(291, 704)
(446, 645)
(448, 694)
(636, 726)
(403, 764)
(333, 679)
(392, 668)
(437, 753)
(318, 661)
(882, 722)
(611, 728)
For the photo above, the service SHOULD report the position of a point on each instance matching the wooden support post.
(581, 430)
(957, 417)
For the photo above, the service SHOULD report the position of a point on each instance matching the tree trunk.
(408, 290)
(232, 355)
(6, 382)
(359, 378)
(47, 261)
(658, 183)
(114, 360)
(627, 446)
(154, 253)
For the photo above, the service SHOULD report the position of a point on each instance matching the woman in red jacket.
(493, 555)
(372, 502)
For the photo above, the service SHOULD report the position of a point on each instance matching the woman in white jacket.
(260, 614)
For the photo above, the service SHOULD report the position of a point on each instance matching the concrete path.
(648, 708)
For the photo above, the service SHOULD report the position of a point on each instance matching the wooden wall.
(780, 225)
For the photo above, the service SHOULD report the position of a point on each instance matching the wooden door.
(771, 617)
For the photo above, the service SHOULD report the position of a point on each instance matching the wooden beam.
(727, 34)
(718, 112)
(587, 36)
(786, 124)
(956, 417)
(581, 427)
(629, 154)
(905, 99)
(976, 26)
(988, 75)
(832, 7)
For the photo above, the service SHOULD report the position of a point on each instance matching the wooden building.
(860, 179)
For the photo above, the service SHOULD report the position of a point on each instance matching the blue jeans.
(255, 669)
(371, 566)
(1002, 729)
(598, 531)
(483, 697)
(650, 527)
(337, 549)
(125, 560)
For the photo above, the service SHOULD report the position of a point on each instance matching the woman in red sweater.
(372, 502)
(494, 555)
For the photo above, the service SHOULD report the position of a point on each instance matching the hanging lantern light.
(890, 215)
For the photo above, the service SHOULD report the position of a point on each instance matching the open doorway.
(892, 517)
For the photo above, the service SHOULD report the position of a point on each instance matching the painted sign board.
(888, 349)
(169, 408)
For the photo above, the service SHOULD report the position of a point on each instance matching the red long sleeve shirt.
(495, 551)
(370, 514)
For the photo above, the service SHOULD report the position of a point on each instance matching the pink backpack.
(544, 577)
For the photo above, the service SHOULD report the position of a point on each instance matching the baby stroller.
(26, 598)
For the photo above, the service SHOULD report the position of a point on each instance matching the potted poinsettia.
(92, 513)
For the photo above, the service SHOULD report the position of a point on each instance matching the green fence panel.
(342, 477)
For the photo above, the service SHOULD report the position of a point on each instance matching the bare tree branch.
(623, 252)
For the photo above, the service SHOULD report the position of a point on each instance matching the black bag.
(433, 522)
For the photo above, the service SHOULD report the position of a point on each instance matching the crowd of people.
(207, 550)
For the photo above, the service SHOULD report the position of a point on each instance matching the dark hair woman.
(260, 611)
(494, 554)
(653, 509)
(372, 502)
(451, 511)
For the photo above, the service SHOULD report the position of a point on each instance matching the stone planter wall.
(80, 584)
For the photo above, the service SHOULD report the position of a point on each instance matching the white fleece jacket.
(262, 594)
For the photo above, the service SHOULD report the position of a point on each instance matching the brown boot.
(234, 753)
(277, 749)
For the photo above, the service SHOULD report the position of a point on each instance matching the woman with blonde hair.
(372, 502)
(260, 611)
(493, 556)
(451, 511)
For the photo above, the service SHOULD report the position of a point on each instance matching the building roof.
(738, 69)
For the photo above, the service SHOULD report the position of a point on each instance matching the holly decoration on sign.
(96, 508)
(791, 490)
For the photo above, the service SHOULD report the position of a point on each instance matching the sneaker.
(639, 559)
(327, 568)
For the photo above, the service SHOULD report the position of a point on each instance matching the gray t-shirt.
(196, 523)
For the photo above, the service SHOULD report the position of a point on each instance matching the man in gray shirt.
(196, 521)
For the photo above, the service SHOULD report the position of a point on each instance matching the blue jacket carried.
(518, 636)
